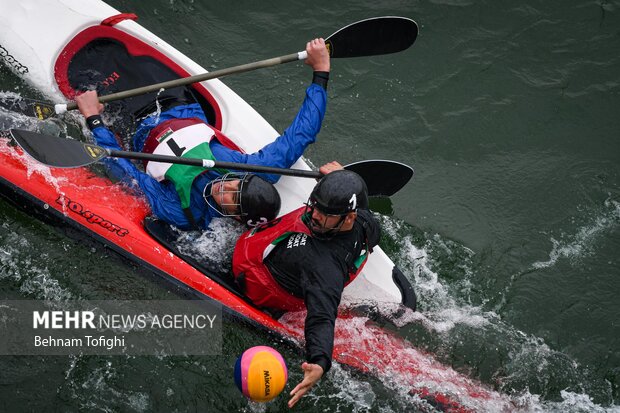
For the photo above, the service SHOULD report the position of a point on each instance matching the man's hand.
(318, 56)
(88, 103)
(312, 374)
(330, 167)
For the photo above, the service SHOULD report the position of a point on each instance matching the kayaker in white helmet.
(304, 259)
(190, 197)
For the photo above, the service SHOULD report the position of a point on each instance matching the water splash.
(215, 246)
(518, 364)
(18, 266)
(92, 387)
(441, 309)
(574, 247)
(351, 394)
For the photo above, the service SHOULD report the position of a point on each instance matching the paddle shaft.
(383, 177)
(274, 61)
(369, 37)
(206, 163)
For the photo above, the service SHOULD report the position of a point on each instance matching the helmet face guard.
(220, 206)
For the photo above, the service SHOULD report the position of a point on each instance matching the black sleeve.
(320, 78)
(322, 294)
(94, 121)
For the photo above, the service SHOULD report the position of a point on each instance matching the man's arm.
(323, 285)
(120, 168)
(289, 147)
(163, 200)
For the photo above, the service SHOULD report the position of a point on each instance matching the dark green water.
(509, 113)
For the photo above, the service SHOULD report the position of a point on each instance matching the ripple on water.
(578, 245)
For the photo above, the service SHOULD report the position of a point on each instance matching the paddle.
(369, 37)
(384, 178)
(28, 107)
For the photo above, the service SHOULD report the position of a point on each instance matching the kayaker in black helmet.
(336, 196)
(304, 259)
(246, 197)
(190, 197)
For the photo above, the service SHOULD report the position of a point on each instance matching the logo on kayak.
(93, 151)
(11, 61)
(110, 80)
(91, 217)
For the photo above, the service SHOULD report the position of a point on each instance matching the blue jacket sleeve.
(287, 148)
(163, 199)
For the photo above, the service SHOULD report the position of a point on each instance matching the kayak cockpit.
(109, 60)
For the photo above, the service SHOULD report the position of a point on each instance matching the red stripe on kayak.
(135, 47)
(116, 19)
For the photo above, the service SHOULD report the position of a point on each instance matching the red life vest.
(249, 269)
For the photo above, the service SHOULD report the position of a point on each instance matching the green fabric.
(360, 260)
(183, 176)
(281, 237)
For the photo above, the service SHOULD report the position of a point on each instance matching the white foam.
(215, 245)
(357, 395)
(33, 280)
(443, 306)
(576, 246)
(94, 390)
(440, 311)
(50, 126)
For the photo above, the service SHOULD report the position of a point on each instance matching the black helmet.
(260, 200)
(339, 193)
(255, 200)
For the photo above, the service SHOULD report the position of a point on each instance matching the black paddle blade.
(383, 178)
(57, 152)
(28, 107)
(371, 37)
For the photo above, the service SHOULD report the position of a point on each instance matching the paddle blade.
(57, 152)
(28, 107)
(375, 36)
(383, 178)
